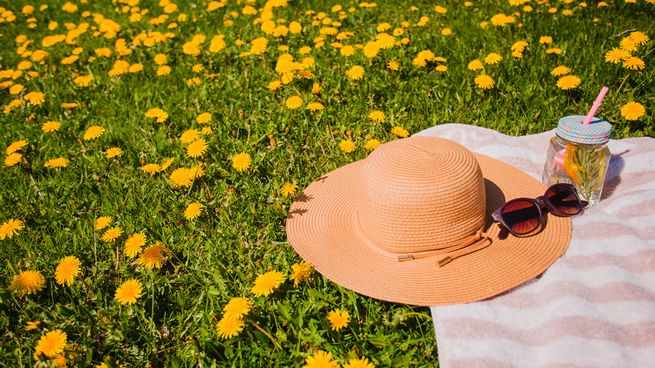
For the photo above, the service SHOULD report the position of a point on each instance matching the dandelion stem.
(277, 344)
(622, 83)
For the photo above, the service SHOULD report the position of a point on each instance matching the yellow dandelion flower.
(151, 168)
(67, 269)
(102, 222)
(400, 132)
(128, 292)
(50, 126)
(616, 55)
(204, 118)
(189, 135)
(441, 68)
(16, 89)
(51, 344)
(568, 82)
(13, 159)
(358, 363)
(197, 68)
(60, 361)
(83, 80)
(35, 98)
(197, 171)
(320, 359)
(519, 46)
(347, 51)
(347, 146)
(113, 152)
(10, 228)
(133, 244)
(241, 162)
(237, 308)
(634, 63)
(182, 177)
(229, 327)
(484, 81)
(158, 114)
(545, 40)
(338, 319)
(355, 73)
(315, 106)
(293, 102)
(393, 65)
(377, 116)
(93, 132)
(274, 85)
(16, 146)
(193, 210)
(111, 234)
(371, 49)
(372, 144)
(560, 70)
(629, 44)
(153, 256)
(197, 148)
(32, 325)
(633, 111)
(267, 282)
(299, 272)
(493, 58)
(316, 88)
(161, 59)
(27, 282)
(56, 162)
(475, 65)
(163, 70)
(288, 189)
(639, 38)
(166, 164)
(554, 50)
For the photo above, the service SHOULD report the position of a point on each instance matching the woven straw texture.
(414, 194)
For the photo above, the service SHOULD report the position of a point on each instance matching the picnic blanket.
(595, 306)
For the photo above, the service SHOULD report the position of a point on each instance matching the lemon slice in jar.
(570, 165)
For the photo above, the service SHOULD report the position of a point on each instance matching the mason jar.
(578, 154)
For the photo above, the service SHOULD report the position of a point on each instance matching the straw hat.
(411, 224)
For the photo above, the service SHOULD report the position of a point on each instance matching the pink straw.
(595, 106)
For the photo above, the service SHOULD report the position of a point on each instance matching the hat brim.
(320, 227)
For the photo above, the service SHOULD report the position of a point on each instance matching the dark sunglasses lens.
(521, 216)
(564, 199)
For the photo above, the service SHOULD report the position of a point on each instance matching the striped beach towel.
(595, 306)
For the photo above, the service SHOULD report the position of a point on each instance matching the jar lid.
(596, 132)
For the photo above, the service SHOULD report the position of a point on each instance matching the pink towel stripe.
(480, 363)
(638, 262)
(632, 335)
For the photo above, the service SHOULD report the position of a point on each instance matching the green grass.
(241, 232)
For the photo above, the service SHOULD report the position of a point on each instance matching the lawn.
(151, 151)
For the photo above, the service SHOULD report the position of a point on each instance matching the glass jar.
(578, 154)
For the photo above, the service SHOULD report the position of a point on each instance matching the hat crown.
(420, 192)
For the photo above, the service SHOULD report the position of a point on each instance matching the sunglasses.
(524, 216)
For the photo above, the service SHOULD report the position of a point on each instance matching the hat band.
(450, 251)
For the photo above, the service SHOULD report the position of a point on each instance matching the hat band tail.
(467, 246)
(482, 243)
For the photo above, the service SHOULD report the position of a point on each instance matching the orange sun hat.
(411, 223)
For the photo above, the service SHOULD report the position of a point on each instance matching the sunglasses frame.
(542, 202)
